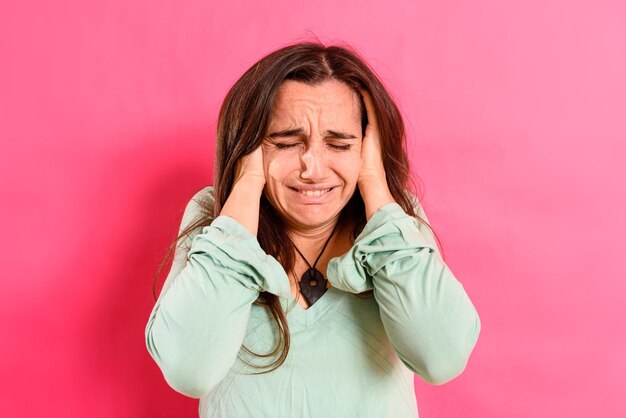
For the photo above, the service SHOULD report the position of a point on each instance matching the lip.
(297, 193)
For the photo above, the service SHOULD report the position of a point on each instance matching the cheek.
(348, 167)
(351, 165)
(354, 175)
(278, 165)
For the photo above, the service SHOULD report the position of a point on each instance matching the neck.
(312, 238)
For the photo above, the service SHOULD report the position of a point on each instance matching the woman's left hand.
(372, 180)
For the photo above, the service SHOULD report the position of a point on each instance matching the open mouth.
(312, 193)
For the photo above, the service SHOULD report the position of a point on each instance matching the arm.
(198, 324)
(429, 319)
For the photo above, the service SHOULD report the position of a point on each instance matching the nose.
(314, 163)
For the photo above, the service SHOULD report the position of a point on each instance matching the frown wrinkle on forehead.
(287, 133)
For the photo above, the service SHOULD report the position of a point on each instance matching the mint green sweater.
(349, 357)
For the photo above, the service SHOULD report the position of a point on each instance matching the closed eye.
(340, 147)
(285, 145)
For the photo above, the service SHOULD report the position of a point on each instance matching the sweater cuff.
(386, 237)
(231, 245)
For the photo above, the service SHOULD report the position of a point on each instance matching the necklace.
(313, 282)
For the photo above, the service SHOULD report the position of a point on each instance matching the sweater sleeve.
(198, 325)
(427, 315)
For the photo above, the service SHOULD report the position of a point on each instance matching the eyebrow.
(299, 131)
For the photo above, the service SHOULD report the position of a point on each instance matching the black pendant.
(312, 285)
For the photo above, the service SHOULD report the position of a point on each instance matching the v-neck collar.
(307, 317)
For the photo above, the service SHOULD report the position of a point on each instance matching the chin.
(310, 221)
(311, 217)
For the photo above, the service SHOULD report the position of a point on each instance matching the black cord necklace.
(313, 282)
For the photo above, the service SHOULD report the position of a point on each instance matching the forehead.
(330, 100)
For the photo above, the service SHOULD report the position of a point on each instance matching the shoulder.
(200, 206)
(423, 224)
(417, 206)
(203, 196)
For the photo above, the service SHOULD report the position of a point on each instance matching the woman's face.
(312, 152)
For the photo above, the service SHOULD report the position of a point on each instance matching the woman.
(311, 287)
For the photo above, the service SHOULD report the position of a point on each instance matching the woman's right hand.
(249, 169)
(245, 196)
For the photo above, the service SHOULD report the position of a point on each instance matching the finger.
(254, 160)
(369, 107)
(251, 162)
(258, 156)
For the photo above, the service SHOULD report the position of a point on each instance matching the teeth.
(314, 193)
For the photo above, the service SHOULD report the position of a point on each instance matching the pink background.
(516, 119)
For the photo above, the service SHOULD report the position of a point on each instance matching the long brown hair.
(243, 122)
